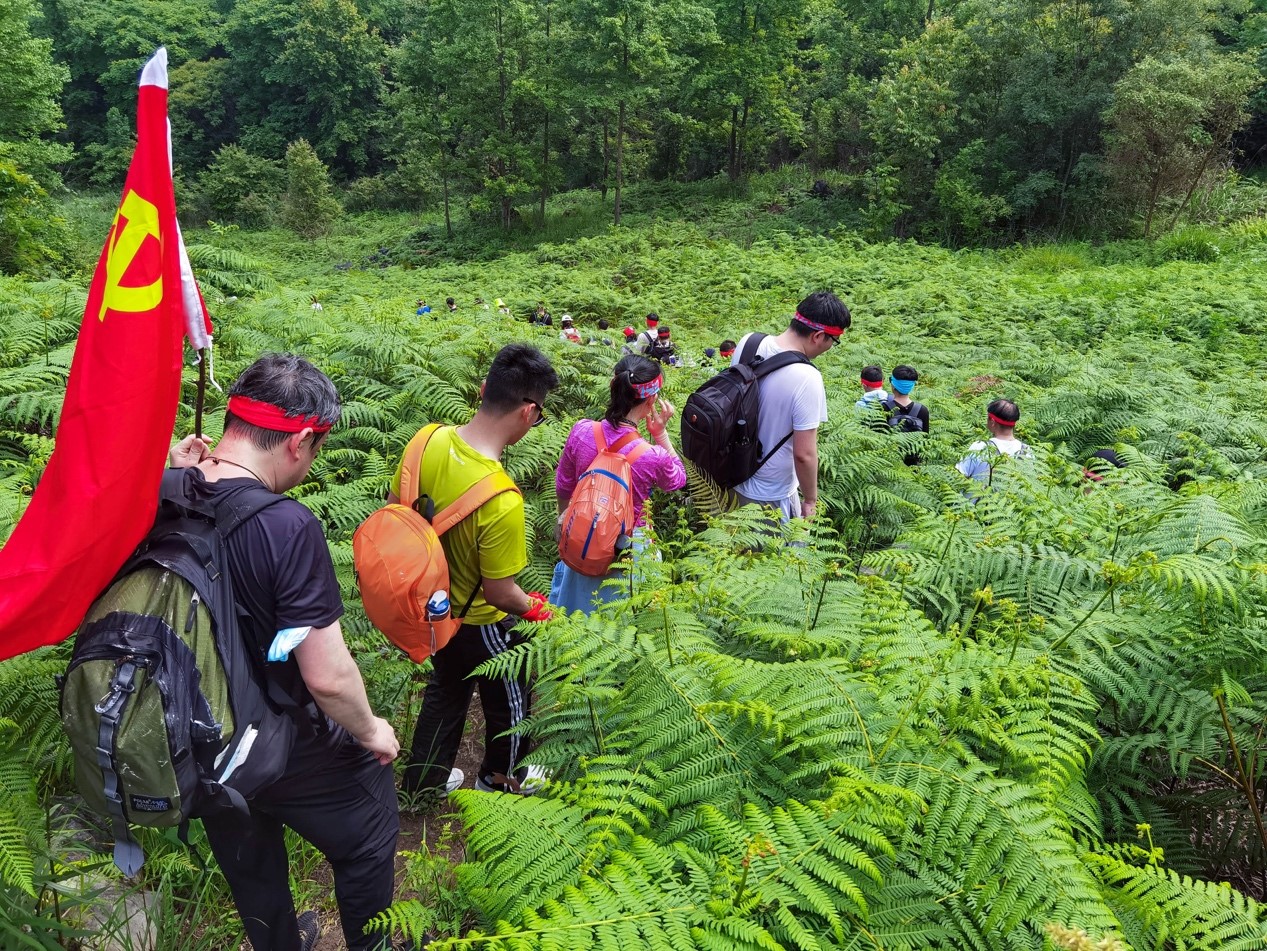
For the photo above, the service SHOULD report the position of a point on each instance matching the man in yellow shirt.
(485, 552)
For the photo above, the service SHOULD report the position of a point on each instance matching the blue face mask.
(901, 386)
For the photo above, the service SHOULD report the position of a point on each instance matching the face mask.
(901, 386)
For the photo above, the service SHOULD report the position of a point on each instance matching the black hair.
(628, 371)
(903, 372)
(727, 345)
(290, 383)
(822, 307)
(448, 300)
(519, 372)
(602, 323)
(1005, 410)
(653, 316)
(873, 374)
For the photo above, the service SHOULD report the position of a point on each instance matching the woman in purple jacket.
(635, 389)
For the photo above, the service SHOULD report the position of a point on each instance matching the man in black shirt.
(338, 791)
(906, 415)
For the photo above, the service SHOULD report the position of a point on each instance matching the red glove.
(538, 608)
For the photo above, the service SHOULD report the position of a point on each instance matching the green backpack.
(167, 708)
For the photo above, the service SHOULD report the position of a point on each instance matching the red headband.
(267, 416)
(1009, 423)
(830, 331)
(871, 384)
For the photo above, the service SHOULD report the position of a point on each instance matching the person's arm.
(805, 461)
(334, 681)
(506, 595)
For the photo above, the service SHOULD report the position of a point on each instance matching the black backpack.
(907, 420)
(719, 421)
(167, 708)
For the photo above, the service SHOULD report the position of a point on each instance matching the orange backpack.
(400, 562)
(599, 519)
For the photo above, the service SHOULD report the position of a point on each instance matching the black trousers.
(338, 797)
(447, 697)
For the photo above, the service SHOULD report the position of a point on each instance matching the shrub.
(240, 187)
(308, 206)
(1194, 243)
(31, 235)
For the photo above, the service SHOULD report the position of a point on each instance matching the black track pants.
(445, 701)
(338, 797)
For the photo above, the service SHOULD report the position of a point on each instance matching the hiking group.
(437, 567)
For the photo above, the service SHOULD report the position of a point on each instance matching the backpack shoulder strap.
(624, 440)
(411, 463)
(493, 484)
(242, 505)
(890, 405)
(777, 362)
(749, 352)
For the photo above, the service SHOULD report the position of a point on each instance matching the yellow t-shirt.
(488, 543)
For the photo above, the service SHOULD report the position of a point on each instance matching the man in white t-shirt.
(1001, 419)
(793, 406)
(647, 339)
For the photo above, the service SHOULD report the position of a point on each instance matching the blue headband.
(901, 386)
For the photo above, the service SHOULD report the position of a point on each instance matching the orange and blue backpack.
(599, 521)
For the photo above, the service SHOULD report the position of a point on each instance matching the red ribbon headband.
(267, 416)
(1009, 423)
(650, 388)
(871, 384)
(830, 331)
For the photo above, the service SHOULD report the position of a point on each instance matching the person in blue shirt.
(1001, 419)
(872, 381)
(423, 308)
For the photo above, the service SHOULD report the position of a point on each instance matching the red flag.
(99, 493)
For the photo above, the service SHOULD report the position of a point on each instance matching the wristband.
(538, 608)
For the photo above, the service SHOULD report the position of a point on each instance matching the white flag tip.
(155, 71)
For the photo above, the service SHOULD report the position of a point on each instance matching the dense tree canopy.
(964, 121)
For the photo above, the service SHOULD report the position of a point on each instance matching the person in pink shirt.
(635, 389)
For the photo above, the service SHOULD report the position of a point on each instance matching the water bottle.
(438, 606)
(741, 432)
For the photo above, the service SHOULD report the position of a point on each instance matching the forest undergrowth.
(1035, 720)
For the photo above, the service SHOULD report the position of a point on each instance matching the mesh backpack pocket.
(599, 521)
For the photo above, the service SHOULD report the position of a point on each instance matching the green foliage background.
(938, 725)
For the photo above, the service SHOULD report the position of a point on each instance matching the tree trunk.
(545, 166)
(732, 157)
(545, 132)
(1152, 203)
(620, 160)
(1192, 186)
(606, 153)
(448, 222)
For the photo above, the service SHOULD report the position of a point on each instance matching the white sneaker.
(455, 780)
(534, 779)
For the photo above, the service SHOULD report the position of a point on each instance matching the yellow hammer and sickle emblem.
(142, 220)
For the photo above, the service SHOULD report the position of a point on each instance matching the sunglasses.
(541, 413)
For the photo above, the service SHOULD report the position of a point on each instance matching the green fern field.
(1033, 720)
